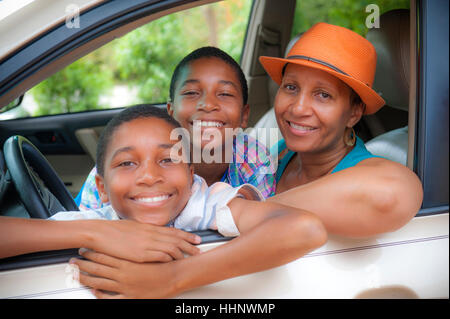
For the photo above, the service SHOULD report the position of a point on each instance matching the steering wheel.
(40, 189)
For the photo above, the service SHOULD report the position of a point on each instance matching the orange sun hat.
(338, 51)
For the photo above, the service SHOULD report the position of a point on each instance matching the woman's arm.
(123, 238)
(271, 235)
(373, 197)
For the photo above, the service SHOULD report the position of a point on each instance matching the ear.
(191, 168)
(170, 108)
(245, 116)
(356, 114)
(101, 188)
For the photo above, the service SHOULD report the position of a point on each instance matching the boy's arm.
(271, 235)
(123, 238)
(21, 235)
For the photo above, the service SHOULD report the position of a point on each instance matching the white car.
(42, 37)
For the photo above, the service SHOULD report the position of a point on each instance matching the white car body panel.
(37, 20)
(412, 262)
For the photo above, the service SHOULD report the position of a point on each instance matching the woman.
(325, 88)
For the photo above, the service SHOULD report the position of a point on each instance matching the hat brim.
(373, 101)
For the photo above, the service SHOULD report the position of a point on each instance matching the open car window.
(136, 68)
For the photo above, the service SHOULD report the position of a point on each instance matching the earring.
(350, 139)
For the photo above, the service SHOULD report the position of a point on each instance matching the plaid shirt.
(251, 164)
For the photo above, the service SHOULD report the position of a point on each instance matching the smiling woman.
(325, 87)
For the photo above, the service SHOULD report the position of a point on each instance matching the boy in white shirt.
(202, 207)
(141, 181)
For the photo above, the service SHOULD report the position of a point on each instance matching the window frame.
(60, 46)
(432, 139)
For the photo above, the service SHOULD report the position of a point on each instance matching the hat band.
(304, 57)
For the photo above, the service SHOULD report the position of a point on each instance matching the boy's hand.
(113, 278)
(140, 242)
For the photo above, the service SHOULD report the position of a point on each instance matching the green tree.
(75, 88)
(147, 57)
(346, 13)
(144, 59)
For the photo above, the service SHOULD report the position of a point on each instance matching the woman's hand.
(140, 242)
(113, 278)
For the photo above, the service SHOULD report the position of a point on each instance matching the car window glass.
(346, 13)
(137, 67)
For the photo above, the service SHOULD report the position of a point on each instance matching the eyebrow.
(131, 148)
(328, 86)
(122, 150)
(165, 146)
(229, 83)
(225, 82)
(189, 81)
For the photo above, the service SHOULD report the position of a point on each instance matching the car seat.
(391, 41)
(269, 120)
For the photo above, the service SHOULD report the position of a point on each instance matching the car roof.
(40, 16)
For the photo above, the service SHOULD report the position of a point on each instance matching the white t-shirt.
(206, 209)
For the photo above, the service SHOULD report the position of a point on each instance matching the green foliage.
(346, 13)
(75, 88)
(147, 57)
(144, 59)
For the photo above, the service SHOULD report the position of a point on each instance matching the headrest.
(391, 41)
(291, 43)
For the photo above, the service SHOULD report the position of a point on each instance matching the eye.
(226, 94)
(166, 161)
(290, 87)
(190, 93)
(324, 95)
(126, 163)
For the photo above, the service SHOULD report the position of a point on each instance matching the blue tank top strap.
(356, 155)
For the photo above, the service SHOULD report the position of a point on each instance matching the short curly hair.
(209, 52)
(127, 115)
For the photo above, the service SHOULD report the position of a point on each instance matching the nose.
(301, 106)
(208, 103)
(148, 174)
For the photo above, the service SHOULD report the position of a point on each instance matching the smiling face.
(208, 93)
(140, 180)
(313, 110)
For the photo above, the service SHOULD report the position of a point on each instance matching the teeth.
(208, 123)
(301, 128)
(152, 199)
